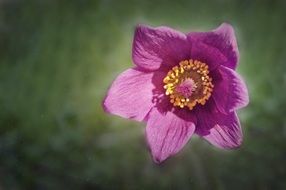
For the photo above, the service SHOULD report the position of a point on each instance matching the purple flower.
(182, 84)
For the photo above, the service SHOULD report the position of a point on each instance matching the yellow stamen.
(201, 84)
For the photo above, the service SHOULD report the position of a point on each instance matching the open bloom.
(182, 84)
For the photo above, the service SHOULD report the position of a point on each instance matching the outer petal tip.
(166, 134)
(156, 47)
(226, 26)
(237, 94)
(243, 98)
(130, 95)
(103, 104)
(142, 53)
(223, 131)
(226, 30)
(158, 159)
(230, 139)
(216, 47)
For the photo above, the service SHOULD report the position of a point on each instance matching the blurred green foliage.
(57, 59)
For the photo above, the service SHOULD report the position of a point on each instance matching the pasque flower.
(182, 84)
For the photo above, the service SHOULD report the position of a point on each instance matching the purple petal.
(167, 134)
(130, 95)
(154, 47)
(221, 130)
(230, 92)
(217, 47)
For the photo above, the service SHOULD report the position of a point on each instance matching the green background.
(57, 59)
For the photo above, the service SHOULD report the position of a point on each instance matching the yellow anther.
(194, 71)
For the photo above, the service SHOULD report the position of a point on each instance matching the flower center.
(187, 87)
(188, 84)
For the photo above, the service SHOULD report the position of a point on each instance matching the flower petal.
(167, 133)
(217, 47)
(154, 47)
(230, 92)
(130, 95)
(221, 130)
